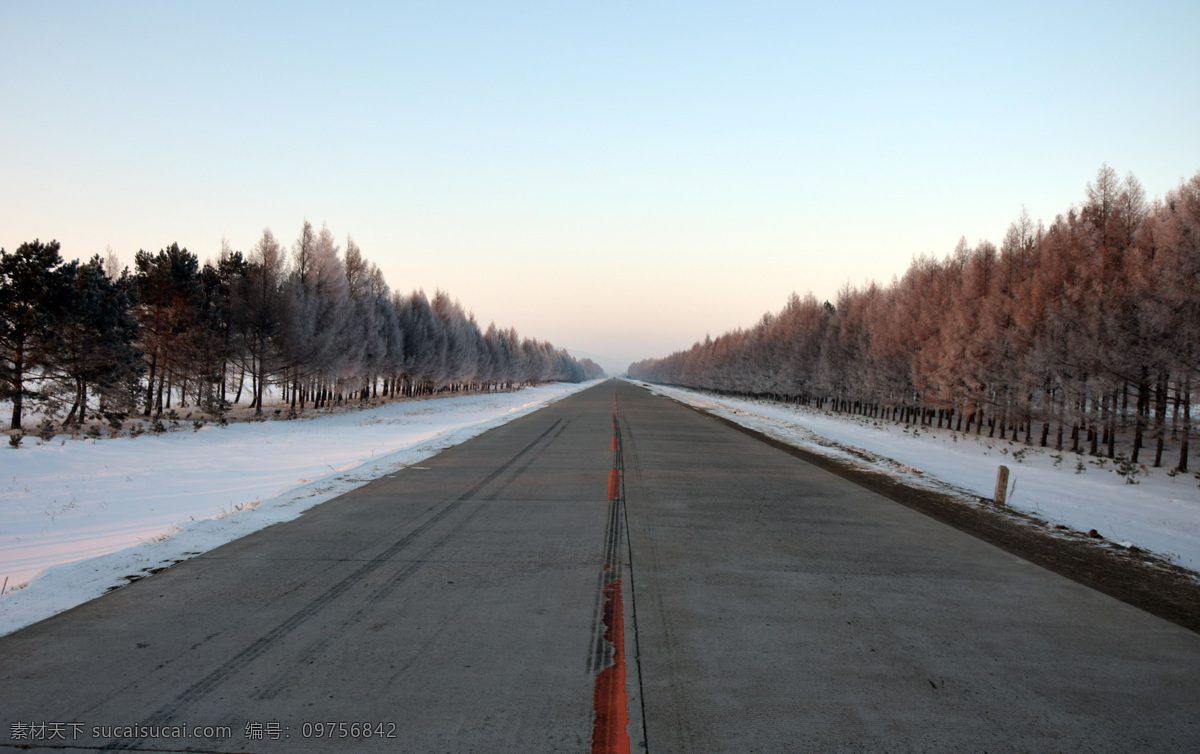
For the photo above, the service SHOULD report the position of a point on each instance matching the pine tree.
(32, 294)
(169, 297)
(94, 336)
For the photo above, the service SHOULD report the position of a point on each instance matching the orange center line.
(609, 701)
(609, 734)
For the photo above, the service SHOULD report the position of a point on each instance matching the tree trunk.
(1139, 413)
(150, 384)
(162, 383)
(74, 407)
(237, 397)
(1112, 427)
(259, 388)
(1187, 425)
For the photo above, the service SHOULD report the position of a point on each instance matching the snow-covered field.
(78, 517)
(1159, 512)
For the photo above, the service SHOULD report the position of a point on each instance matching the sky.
(617, 178)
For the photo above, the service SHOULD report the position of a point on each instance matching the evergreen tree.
(94, 337)
(32, 294)
(170, 295)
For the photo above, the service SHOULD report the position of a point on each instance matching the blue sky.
(619, 179)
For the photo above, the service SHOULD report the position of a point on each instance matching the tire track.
(262, 644)
(525, 467)
(386, 589)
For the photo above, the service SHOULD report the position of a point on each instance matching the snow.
(1159, 511)
(79, 517)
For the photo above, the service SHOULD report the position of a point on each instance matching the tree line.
(319, 326)
(1072, 333)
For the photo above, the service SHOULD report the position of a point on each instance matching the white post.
(1001, 486)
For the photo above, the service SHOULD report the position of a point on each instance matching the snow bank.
(78, 517)
(1158, 511)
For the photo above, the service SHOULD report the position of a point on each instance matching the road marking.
(609, 730)
(610, 702)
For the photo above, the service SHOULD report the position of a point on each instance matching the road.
(712, 594)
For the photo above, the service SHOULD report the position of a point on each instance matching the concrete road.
(452, 607)
(782, 608)
(488, 602)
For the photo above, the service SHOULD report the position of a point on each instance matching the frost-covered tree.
(322, 327)
(262, 313)
(1087, 327)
